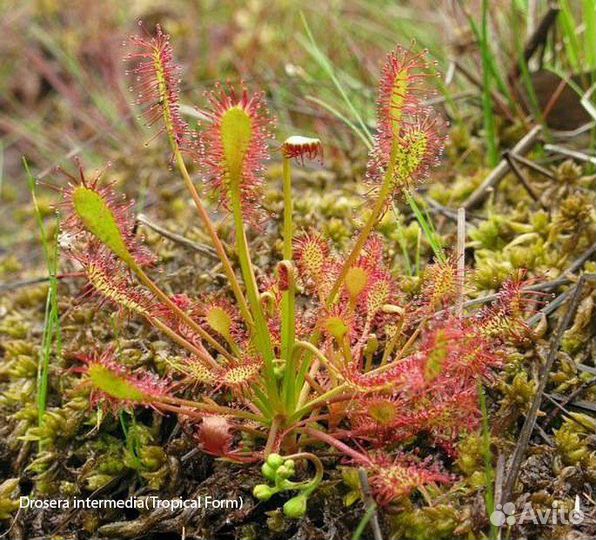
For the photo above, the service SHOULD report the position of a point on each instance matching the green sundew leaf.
(336, 327)
(236, 133)
(114, 384)
(219, 320)
(356, 280)
(100, 221)
(409, 155)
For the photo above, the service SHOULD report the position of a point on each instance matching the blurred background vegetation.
(63, 88)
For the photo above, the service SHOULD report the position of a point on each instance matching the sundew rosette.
(319, 347)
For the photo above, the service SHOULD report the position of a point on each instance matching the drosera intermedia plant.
(326, 349)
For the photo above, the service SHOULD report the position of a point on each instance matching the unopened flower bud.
(268, 472)
(275, 460)
(262, 492)
(295, 507)
(284, 472)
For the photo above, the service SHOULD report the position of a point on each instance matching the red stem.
(343, 448)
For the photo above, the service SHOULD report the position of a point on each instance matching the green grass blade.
(569, 28)
(52, 337)
(343, 118)
(131, 438)
(490, 58)
(524, 70)
(429, 231)
(325, 64)
(1, 168)
(487, 78)
(370, 511)
(401, 239)
(590, 33)
(488, 460)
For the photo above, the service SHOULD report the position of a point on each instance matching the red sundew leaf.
(439, 285)
(406, 375)
(233, 148)
(110, 280)
(298, 148)
(118, 388)
(101, 217)
(392, 479)
(409, 138)
(157, 85)
(241, 374)
(505, 319)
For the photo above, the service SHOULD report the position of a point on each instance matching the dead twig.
(532, 165)
(538, 287)
(537, 39)
(552, 306)
(570, 153)
(552, 416)
(7, 287)
(501, 170)
(499, 476)
(370, 503)
(583, 404)
(461, 260)
(448, 212)
(528, 427)
(561, 408)
(522, 178)
(579, 262)
(497, 98)
(586, 369)
(177, 238)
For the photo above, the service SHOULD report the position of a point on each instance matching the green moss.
(471, 454)
(9, 502)
(14, 326)
(572, 440)
(437, 522)
(492, 270)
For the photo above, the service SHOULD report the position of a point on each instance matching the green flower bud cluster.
(278, 471)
